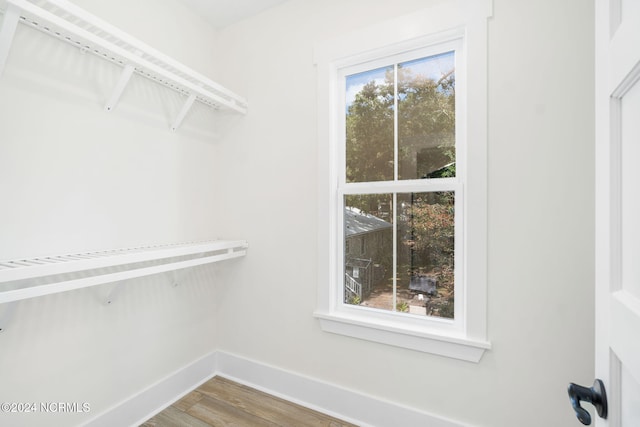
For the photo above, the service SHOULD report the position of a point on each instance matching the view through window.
(399, 187)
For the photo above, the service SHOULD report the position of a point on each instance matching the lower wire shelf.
(29, 278)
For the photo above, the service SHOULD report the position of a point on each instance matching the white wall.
(76, 178)
(540, 215)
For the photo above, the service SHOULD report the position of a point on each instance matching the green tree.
(426, 124)
(432, 224)
(370, 134)
(426, 150)
(426, 127)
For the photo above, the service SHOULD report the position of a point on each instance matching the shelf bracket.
(9, 24)
(116, 288)
(122, 83)
(6, 314)
(175, 279)
(183, 112)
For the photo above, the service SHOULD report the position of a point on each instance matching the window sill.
(397, 334)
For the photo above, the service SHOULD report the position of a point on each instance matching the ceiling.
(221, 13)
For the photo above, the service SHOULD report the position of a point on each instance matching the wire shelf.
(167, 258)
(71, 24)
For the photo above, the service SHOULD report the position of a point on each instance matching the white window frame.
(450, 41)
(461, 23)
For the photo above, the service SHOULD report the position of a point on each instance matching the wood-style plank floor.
(221, 402)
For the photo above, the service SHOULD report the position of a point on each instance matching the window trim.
(452, 42)
(439, 24)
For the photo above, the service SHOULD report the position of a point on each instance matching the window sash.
(455, 325)
(396, 186)
(455, 44)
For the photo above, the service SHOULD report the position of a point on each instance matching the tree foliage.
(426, 150)
(432, 230)
(370, 134)
(426, 127)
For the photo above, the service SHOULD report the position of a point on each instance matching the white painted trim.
(331, 399)
(441, 23)
(400, 335)
(138, 408)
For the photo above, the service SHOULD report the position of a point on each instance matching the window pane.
(369, 126)
(425, 253)
(368, 251)
(424, 283)
(426, 117)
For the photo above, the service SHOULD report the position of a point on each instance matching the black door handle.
(595, 395)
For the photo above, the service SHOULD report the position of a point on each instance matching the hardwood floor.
(221, 402)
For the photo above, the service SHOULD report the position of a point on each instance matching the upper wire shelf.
(69, 23)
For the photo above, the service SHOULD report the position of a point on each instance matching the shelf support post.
(122, 83)
(113, 293)
(183, 112)
(175, 279)
(9, 24)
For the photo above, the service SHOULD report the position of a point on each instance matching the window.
(399, 133)
(402, 134)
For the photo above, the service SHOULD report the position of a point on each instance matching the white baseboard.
(145, 404)
(351, 406)
(330, 399)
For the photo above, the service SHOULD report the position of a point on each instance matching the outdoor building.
(367, 253)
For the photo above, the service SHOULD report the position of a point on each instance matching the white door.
(618, 209)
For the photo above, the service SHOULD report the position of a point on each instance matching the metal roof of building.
(358, 222)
